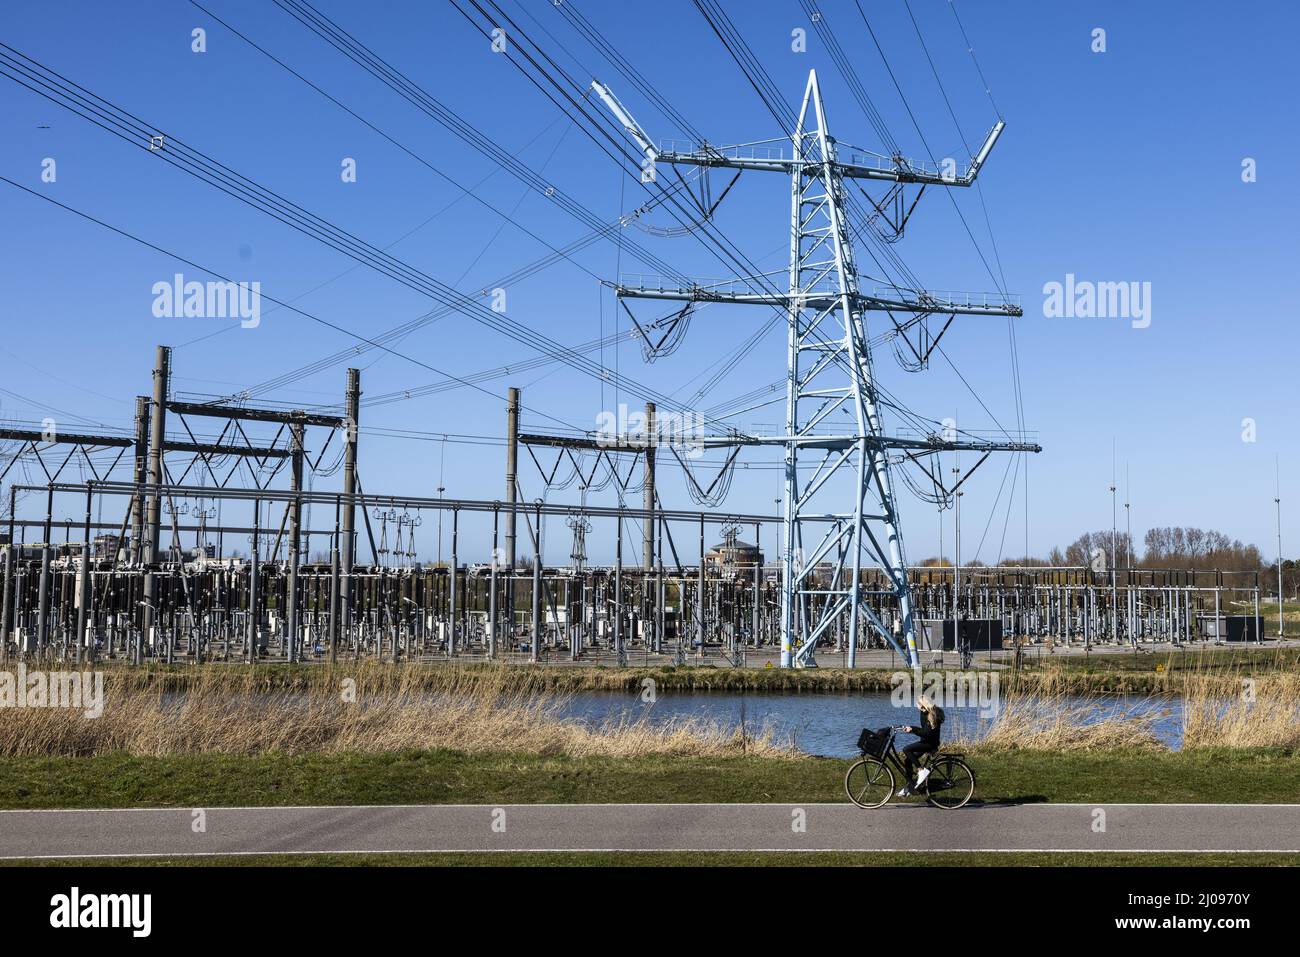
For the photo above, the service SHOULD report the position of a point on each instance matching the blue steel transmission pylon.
(829, 369)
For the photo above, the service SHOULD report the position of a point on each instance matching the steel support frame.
(829, 369)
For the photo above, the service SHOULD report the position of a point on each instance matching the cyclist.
(928, 734)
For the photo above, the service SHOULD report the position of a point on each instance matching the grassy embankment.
(450, 777)
(374, 734)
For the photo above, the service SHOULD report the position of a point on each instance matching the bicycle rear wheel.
(951, 783)
(869, 783)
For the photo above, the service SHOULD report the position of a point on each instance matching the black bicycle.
(870, 781)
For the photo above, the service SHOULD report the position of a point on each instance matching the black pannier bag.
(873, 742)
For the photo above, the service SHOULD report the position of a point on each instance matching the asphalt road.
(647, 827)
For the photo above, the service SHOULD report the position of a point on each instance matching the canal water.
(829, 724)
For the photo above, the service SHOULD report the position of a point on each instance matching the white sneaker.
(920, 778)
(905, 792)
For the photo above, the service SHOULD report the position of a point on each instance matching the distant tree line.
(1172, 547)
(1199, 548)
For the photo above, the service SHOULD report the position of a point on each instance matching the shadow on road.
(1009, 801)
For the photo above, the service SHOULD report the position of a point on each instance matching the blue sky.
(1115, 166)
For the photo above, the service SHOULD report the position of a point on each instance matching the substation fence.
(93, 597)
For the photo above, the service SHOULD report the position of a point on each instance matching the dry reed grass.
(1255, 713)
(1218, 710)
(1053, 722)
(232, 711)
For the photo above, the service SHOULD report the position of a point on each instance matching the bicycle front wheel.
(951, 783)
(869, 783)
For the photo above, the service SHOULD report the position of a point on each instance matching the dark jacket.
(928, 729)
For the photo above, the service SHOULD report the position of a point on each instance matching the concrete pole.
(492, 586)
(157, 436)
(648, 538)
(348, 544)
(758, 585)
(451, 614)
(83, 583)
(1187, 612)
(699, 610)
(43, 589)
(297, 432)
(566, 633)
(538, 630)
(648, 527)
(660, 589)
(512, 492)
(8, 593)
(141, 474)
(956, 573)
(512, 474)
(334, 585)
(618, 592)
(1259, 622)
(11, 558)
(252, 582)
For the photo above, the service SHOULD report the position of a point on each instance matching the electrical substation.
(138, 560)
